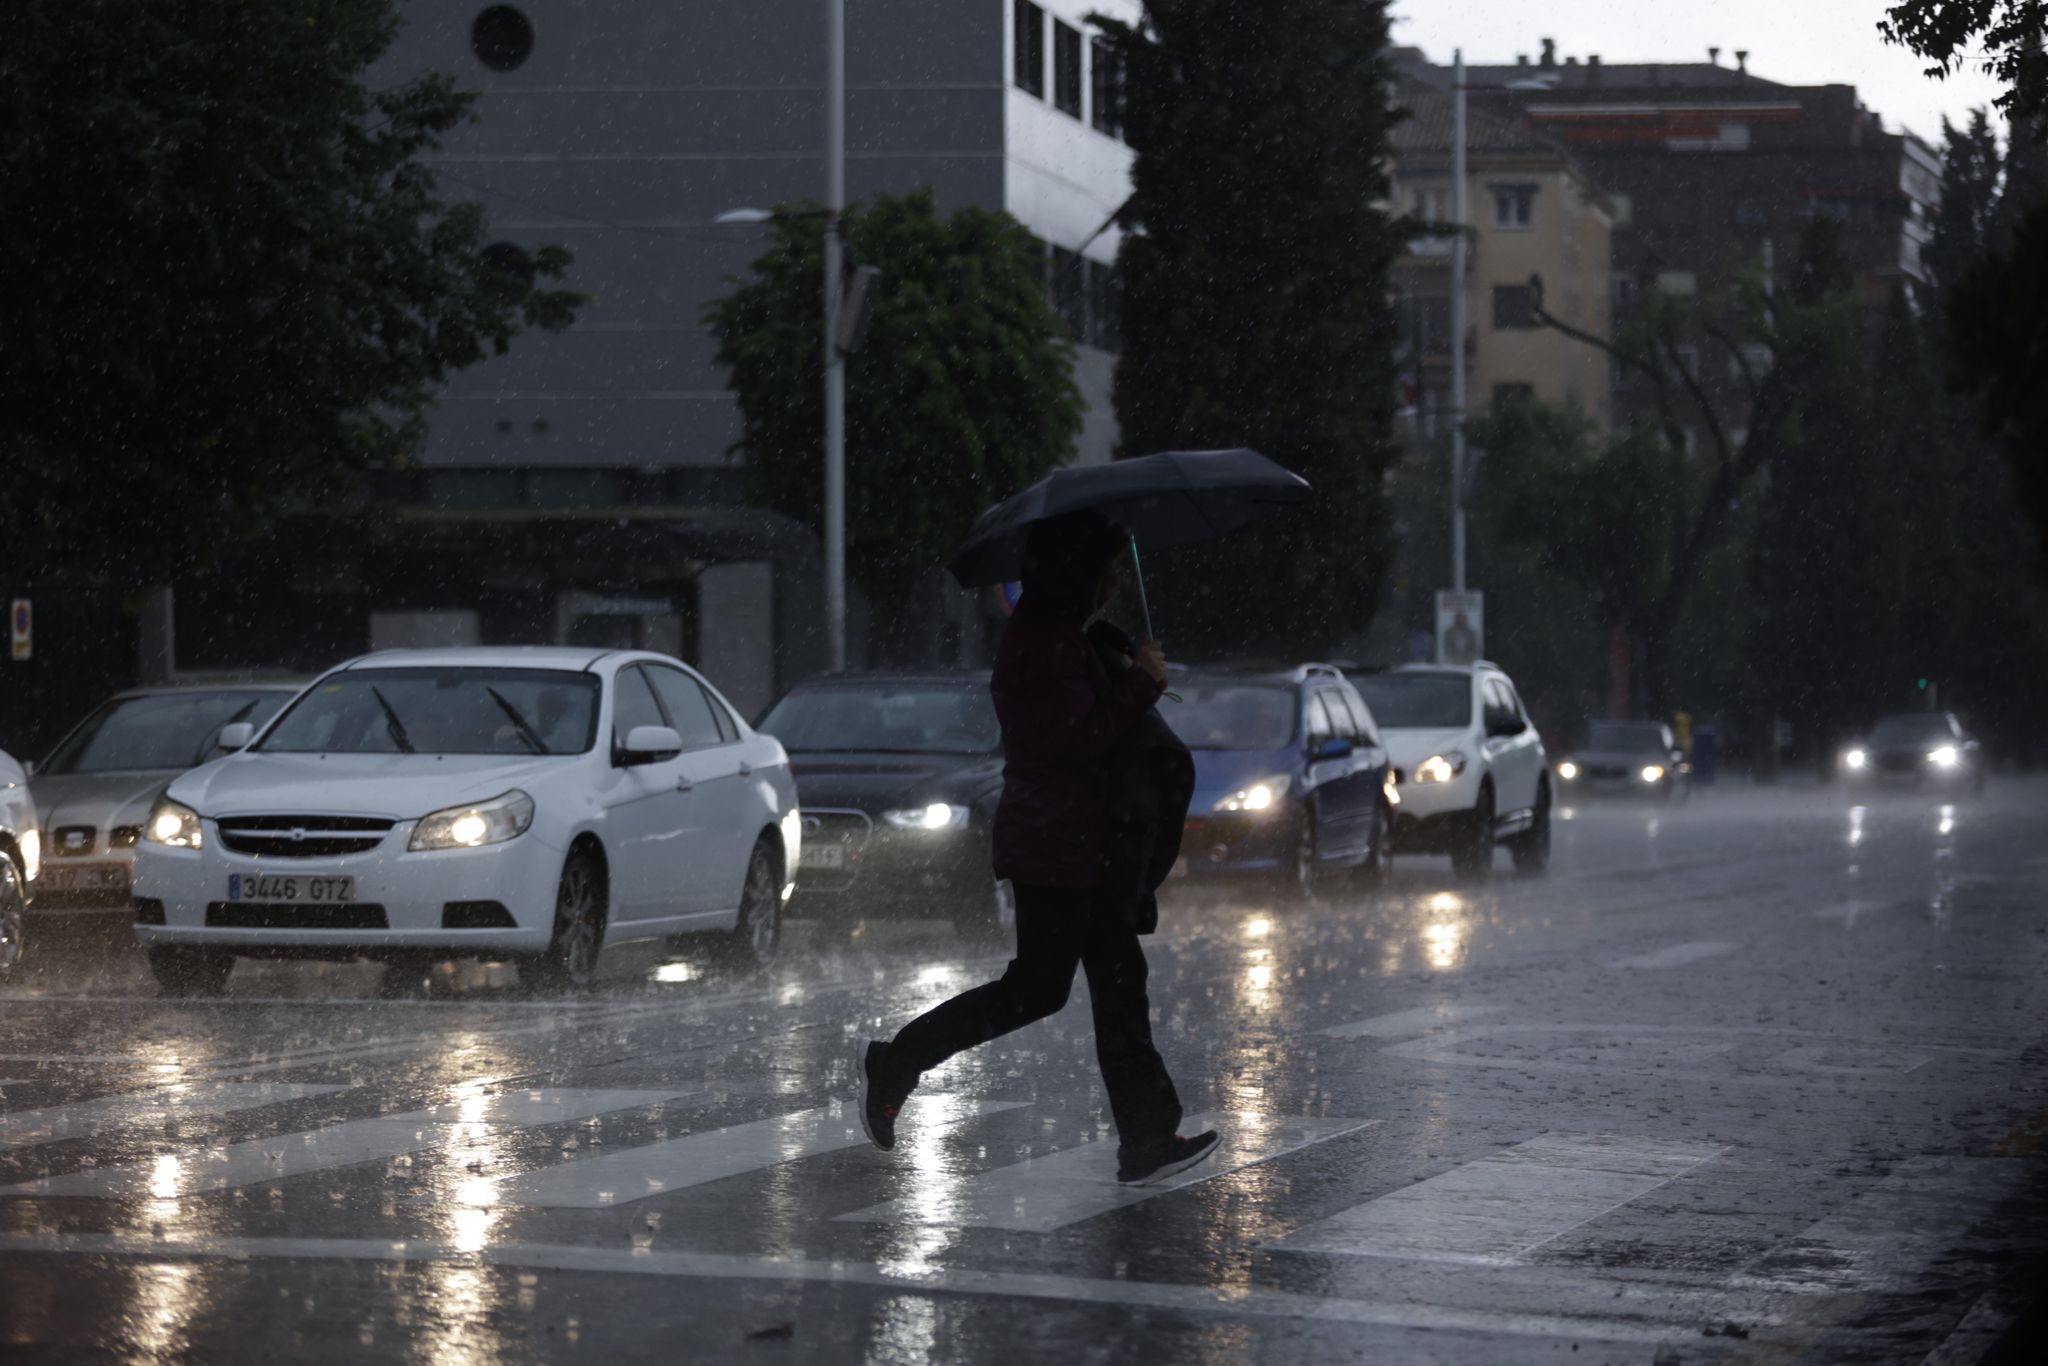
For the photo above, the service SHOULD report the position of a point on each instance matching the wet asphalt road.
(1762, 1078)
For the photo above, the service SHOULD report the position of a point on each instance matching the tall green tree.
(229, 281)
(1255, 298)
(961, 393)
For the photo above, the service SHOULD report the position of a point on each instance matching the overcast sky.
(1798, 42)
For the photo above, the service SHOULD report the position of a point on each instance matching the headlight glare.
(1258, 796)
(932, 816)
(1944, 757)
(1440, 768)
(1568, 770)
(174, 825)
(1856, 759)
(469, 827)
(31, 852)
(1653, 773)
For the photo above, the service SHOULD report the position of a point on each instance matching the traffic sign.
(1460, 627)
(21, 629)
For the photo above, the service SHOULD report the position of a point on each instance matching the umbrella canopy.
(1173, 498)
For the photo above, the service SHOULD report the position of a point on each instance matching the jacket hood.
(399, 786)
(99, 799)
(879, 782)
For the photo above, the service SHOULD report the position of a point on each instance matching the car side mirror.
(649, 745)
(235, 735)
(1332, 747)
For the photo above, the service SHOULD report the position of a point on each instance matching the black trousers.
(1059, 929)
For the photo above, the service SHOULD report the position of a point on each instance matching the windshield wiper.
(393, 727)
(527, 734)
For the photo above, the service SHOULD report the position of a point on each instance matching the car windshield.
(1418, 701)
(893, 718)
(442, 711)
(1911, 730)
(1233, 716)
(1624, 738)
(158, 731)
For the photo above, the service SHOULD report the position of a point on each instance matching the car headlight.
(1944, 757)
(175, 825)
(1258, 796)
(1391, 788)
(469, 827)
(1856, 759)
(1568, 770)
(1440, 768)
(935, 816)
(31, 852)
(1653, 773)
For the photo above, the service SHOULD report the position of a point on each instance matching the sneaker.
(1170, 1158)
(877, 1114)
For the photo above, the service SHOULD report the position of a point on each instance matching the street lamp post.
(835, 358)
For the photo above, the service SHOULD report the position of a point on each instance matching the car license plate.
(296, 887)
(94, 877)
(822, 856)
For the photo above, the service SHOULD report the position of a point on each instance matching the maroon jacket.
(1061, 712)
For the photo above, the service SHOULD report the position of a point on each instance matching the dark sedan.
(1627, 759)
(1917, 749)
(897, 776)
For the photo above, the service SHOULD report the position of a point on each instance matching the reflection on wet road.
(1760, 1075)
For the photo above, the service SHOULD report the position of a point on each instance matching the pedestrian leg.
(1141, 1096)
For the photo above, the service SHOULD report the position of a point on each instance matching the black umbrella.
(1173, 498)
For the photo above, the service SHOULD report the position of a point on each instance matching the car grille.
(850, 832)
(71, 841)
(1896, 763)
(282, 915)
(303, 836)
(1607, 770)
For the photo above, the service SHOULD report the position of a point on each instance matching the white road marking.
(175, 1100)
(1040, 1194)
(1228, 1302)
(630, 1174)
(1677, 955)
(1499, 1209)
(354, 1141)
(1409, 1024)
(1885, 1238)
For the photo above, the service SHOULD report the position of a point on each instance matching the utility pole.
(1458, 209)
(835, 362)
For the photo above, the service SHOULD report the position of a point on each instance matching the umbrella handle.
(1144, 603)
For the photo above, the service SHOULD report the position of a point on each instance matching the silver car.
(96, 788)
(20, 853)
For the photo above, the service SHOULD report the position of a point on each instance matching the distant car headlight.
(31, 852)
(1440, 768)
(936, 816)
(1258, 796)
(470, 827)
(1391, 789)
(1568, 770)
(1944, 757)
(1653, 773)
(1856, 759)
(174, 825)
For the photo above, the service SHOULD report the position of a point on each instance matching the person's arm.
(1058, 713)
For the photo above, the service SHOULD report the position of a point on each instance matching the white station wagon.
(536, 804)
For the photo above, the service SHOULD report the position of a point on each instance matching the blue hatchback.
(1290, 778)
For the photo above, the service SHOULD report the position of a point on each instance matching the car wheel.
(991, 918)
(570, 959)
(1473, 856)
(13, 908)
(753, 941)
(1532, 847)
(1380, 861)
(183, 971)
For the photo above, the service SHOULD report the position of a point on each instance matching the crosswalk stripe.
(677, 1163)
(1501, 1208)
(341, 1145)
(1676, 955)
(1409, 1024)
(1887, 1236)
(1040, 1194)
(178, 1100)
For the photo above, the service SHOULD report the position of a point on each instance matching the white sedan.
(536, 804)
(20, 856)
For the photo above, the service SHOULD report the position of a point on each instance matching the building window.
(501, 37)
(1070, 291)
(1106, 88)
(1432, 314)
(1030, 45)
(1066, 69)
(1623, 290)
(1514, 206)
(1431, 203)
(1105, 307)
(1514, 307)
(1756, 356)
(1513, 391)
